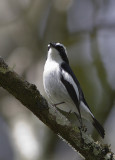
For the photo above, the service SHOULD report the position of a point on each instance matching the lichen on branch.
(31, 98)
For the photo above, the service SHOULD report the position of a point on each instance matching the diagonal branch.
(31, 98)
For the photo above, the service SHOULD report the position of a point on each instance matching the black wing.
(70, 88)
(68, 85)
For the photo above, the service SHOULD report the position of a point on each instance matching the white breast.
(51, 79)
(54, 88)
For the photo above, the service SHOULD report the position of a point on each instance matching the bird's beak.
(51, 45)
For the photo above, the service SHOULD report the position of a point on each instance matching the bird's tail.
(99, 128)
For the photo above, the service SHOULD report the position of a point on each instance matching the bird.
(63, 88)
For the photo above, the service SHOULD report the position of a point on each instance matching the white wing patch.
(71, 81)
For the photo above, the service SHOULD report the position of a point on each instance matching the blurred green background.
(87, 29)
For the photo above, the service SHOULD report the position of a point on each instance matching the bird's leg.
(58, 104)
(69, 113)
(80, 121)
(81, 127)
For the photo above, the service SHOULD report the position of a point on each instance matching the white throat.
(53, 55)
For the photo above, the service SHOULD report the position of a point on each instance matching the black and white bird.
(63, 88)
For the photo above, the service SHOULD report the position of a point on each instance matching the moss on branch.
(31, 98)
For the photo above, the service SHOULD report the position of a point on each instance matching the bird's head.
(57, 52)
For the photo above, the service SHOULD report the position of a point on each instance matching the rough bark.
(31, 98)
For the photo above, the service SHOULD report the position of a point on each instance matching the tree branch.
(31, 98)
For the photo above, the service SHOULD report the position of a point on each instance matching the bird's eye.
(60, 49)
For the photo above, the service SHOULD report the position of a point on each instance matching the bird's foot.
(83, 128)
(69, 113)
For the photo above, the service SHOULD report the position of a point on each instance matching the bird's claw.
(83, 128)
